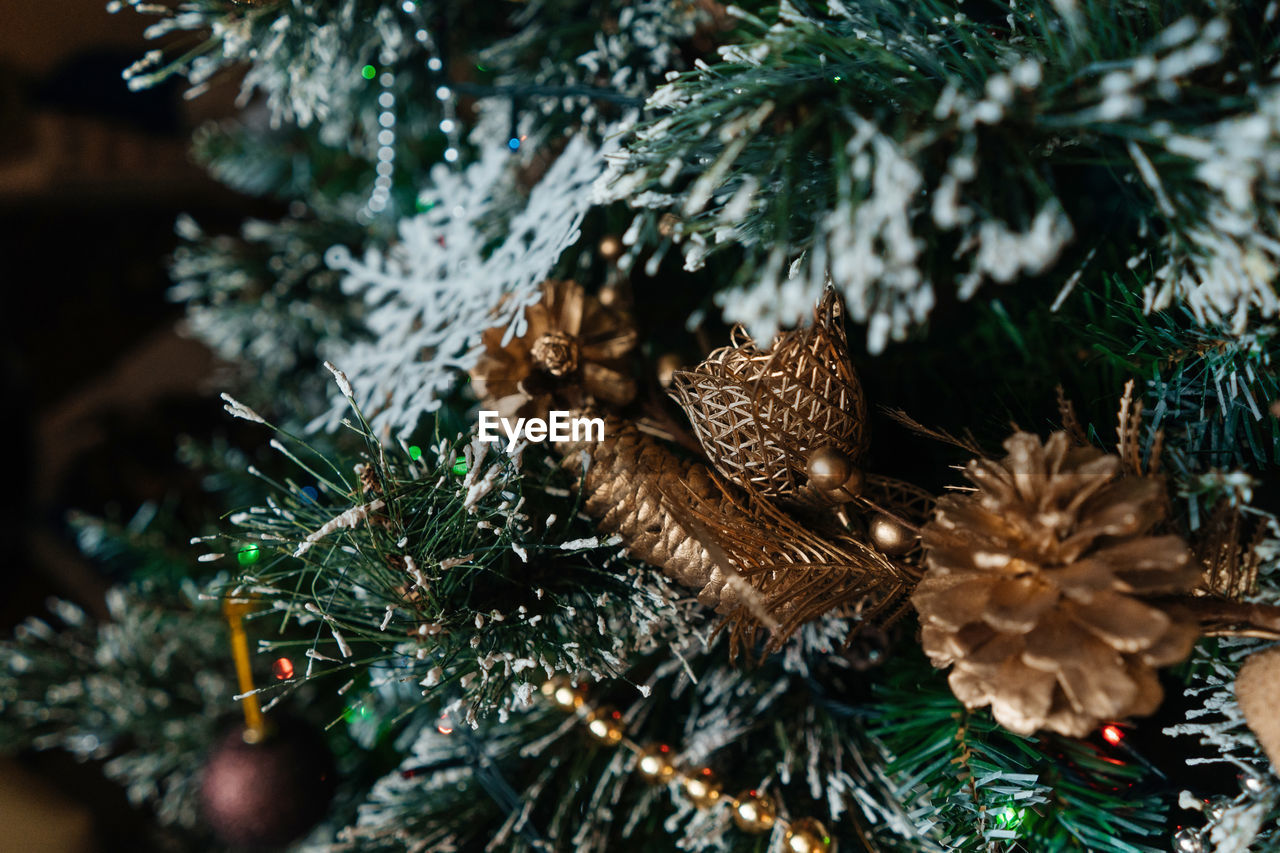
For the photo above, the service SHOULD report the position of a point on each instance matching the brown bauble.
(266, 794)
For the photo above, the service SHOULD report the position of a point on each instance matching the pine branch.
(832, 128)
(978, 787)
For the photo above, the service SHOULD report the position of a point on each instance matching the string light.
(449, 125)
(752, 810)
(380, 196)
(386, 155)
(1112, 734)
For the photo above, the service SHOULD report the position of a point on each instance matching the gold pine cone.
(573, 353)
(758, 413)
(1034, 582)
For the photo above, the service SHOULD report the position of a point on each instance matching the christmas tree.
(798, 427)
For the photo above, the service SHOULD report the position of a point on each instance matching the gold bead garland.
(605, 725)
(654, 764)
(702, 788)
(808, 836)
(752, 811)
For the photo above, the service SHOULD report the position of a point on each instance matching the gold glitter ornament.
(754, 812)
(807, 836)
(702, 788)
(654, 764)
(1035, 584)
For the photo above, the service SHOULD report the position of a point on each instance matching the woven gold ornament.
(573, 353)
(1034, 586)
(760, 413)
(795, 574)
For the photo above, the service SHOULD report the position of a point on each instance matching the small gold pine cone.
(758, 413)
(1034, 586)
(573, 352)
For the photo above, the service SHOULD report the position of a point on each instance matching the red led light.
(1112, 734)
(282, 669)
(445, 725)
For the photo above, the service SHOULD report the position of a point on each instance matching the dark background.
(96, 378)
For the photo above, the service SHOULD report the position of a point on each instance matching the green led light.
(460, 466)
(415, 452)
(368, 72)
(248, 555)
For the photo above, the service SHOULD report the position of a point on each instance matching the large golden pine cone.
(758, 413)
(1034, 585)
(573, 352)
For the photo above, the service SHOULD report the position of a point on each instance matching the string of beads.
(753, 811)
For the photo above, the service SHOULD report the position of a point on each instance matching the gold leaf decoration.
(759, 412)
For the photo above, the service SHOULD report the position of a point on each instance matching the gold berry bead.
(890, 535)
(830, 469)
(563, 694)
(667, 224)
(754, 812)
(807, 836)
(614, 296)
(702, 788)
(668, 364)
(610, 248)
(654, 764)
(605, 725)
